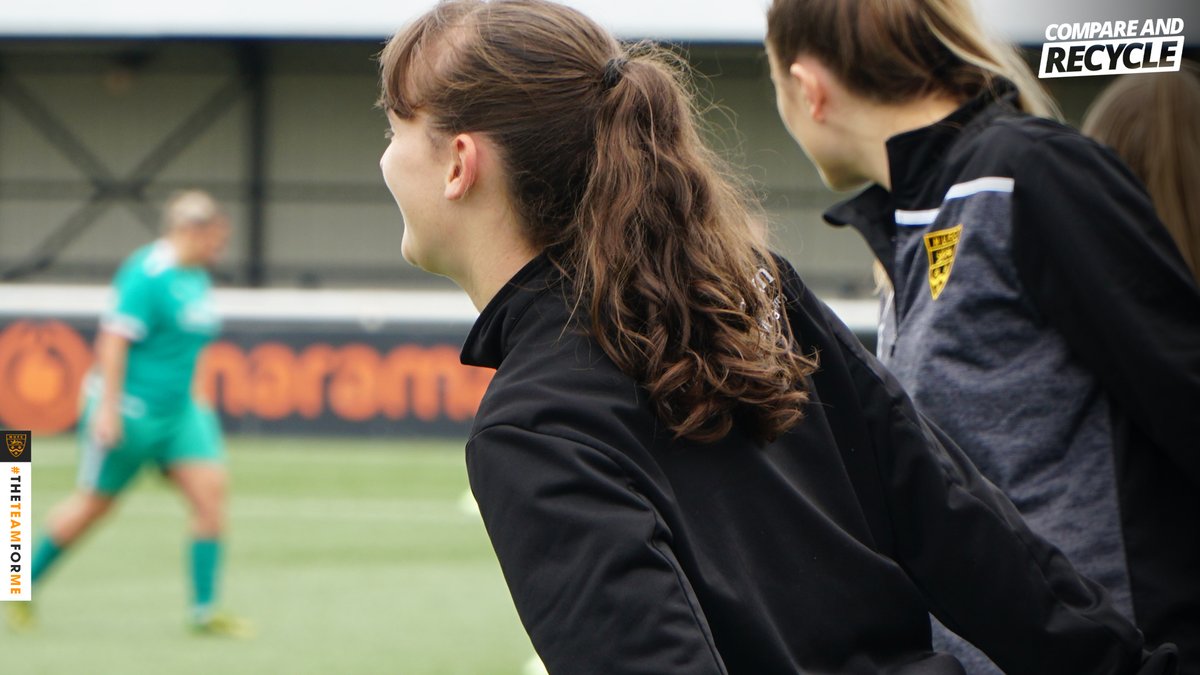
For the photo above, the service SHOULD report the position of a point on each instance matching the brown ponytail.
(608, 171)
(894, 51)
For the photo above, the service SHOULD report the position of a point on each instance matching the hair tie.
(613, 70)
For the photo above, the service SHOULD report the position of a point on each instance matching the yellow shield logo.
(941, 246)
(15, 443)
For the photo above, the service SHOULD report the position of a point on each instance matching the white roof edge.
(1022, 21)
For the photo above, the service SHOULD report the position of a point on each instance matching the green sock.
(44, 555)
(205, 559)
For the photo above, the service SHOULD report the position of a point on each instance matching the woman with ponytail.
(685, 463)
(1038, 310)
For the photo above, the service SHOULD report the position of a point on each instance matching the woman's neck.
(180, 248)
(874, 124)
(491, 271)
(496, 248)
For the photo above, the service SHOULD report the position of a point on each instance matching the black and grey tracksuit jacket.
(821, 552)
(1043, 318)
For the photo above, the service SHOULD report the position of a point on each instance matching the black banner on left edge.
(16, 475)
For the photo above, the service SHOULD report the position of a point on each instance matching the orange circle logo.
(41, 367)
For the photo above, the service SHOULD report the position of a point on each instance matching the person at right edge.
(1038, 311)
(1153, 123)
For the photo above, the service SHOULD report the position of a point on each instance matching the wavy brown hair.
(893, 51)
(608, 172)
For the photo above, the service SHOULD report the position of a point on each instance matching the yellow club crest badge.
(15, 443)
(941, 246)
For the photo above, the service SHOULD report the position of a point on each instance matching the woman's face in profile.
(819, 140)
(414, 174)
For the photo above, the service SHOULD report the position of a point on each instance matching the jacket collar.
(912, 155)
(494, 333)
(913, 158)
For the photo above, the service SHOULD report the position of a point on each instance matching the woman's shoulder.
(556, 373)
(1024, 138)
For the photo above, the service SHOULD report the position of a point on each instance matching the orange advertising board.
(340, 380)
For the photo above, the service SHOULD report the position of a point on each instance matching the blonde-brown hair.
(608, 172)
(1153, 122)
(894, 51)
(190, 208)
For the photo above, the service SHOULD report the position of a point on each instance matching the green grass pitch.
(350, 556)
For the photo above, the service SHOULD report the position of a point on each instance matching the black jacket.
(821, 552)
(1043, 317)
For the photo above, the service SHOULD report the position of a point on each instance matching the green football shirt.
(166, 311)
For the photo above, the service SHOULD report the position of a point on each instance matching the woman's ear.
(464, 167)
(814, 92)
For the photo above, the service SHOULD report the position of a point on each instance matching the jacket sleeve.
(983, 572)
(1100, 267)
(588, 561)
(963, 544)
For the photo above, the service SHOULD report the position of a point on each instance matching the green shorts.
(190, 435)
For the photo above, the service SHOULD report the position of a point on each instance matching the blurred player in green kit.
(139, 407)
